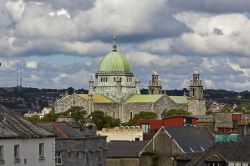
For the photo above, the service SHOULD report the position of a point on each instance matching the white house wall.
(29, 150)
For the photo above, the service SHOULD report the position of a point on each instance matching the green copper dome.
(114, 63)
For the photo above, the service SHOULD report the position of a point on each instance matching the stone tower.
(196, 88)
(154, 86)
(196, 102)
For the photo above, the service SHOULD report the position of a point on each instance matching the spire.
(196, 70)
(114, 43)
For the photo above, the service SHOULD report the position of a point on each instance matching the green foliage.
(174, 112)
(227, 108)
(142, 115)
(208, 112)
(243, 107)
(33, 118)
(103, 121)
(78, 114)
(50, 117)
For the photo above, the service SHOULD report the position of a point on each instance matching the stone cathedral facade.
(115, 91)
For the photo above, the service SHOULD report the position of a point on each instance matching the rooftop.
(143, 98)
(129, 149)
(226, 152)
(62, 130)
(179, 99)
(97, 98)
(191, 139)
(13, 126)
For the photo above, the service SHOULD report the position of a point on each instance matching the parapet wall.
(131, 133)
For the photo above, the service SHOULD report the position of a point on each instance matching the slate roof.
(62, 130)
(191, 139)
(189, 156)
(128, 149)
(225, 152)
(13, 126)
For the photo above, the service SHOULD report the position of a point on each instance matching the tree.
(50, 117)
(103, 121)
(227, 108)
(174, 112)
(243, 107)
(33, 118)
(142, 115)
(78, 114)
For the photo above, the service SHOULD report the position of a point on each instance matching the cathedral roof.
(143, 98)
(179, 99)
(114, 62)
(96, 98)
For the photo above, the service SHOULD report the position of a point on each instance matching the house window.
(1, 152)
(87, 158)
(69, 154)
(99, 157)
(16, 152)
(187, 121)
(41, 150)
(58, 158)
(131, 115)
(145, 128)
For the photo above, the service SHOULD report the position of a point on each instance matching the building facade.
(116, 91)
(75, 148)
(23, 143)
(196, 101)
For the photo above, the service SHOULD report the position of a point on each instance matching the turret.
(91, 85)
(137, 86)
(154, 84)
(196, 87)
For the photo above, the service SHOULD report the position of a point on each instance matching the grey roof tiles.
(14, 126)
(191, 139)
(130, 149)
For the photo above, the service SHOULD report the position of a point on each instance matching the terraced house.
(116, 92)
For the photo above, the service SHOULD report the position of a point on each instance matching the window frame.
(1, 153)
(17, 153)
(58, 157)
(41, 151)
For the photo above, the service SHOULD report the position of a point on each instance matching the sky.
(59, 43)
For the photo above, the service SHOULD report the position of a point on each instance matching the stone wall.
(196, 107)
(122, 133)
(69, 101)
(75, 152)
(167, 103)
(122, 162)
(110, 109)
(164, 147)
(120, 110)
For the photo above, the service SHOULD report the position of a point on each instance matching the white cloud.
(156, 45)
(31, 64)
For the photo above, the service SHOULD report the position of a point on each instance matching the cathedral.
(115, 91)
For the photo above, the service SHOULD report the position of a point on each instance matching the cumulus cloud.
(31, 64)
(174, 35)
(211, 6)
